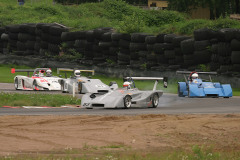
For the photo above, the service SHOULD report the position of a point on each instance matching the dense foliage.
(135, 2)
(109, 13)
(218, 8)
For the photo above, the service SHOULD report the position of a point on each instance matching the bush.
(131, 24)
(162, 17)
(117, 9)
(224, 23)
(189, 26)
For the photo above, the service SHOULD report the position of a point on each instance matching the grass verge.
(96, 153)
(14, 99)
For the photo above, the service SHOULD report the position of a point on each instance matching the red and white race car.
(41, 79)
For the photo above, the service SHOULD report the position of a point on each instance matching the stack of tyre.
(90, 48)
(169, 52)
(202, 45)
(50, 38)
(73, 43)
(101, 45)
(214, 65)
(159, 47)
(12, 32)
(187, 47)
(235, 56)
(105, 43)
(27, 39)
(2, 40)
(150, 57)
(42, 38)
(55, 40)
(114, 49)
(177, 49)
(137, 45)
(225, 36)
(80, 42)
(124, 56)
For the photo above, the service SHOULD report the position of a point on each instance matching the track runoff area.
(168, 104)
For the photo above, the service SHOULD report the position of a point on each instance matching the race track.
(168, 104)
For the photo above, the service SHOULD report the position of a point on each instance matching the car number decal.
(100, 85)
(86, 104)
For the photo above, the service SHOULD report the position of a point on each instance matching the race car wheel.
(180, 94)
(127, 101)
(16, 83)
(63, 87)
(155, 100)
(34, 86)
(80, 87)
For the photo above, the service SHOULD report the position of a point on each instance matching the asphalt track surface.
(168, 104)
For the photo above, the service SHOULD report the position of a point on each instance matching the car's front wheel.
(16, 83)
(155, 100)
(127, 100)
(63, 87)
(34, 86)
(180, 94)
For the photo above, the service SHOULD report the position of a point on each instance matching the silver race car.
(82, 84)
(126, 97)
(41, 79)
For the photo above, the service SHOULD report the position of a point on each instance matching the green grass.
(15, 99)
(109, 13)
(103, 153)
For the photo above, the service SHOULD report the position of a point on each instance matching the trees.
(217, 8)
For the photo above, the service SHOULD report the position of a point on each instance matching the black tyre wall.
(187, 46)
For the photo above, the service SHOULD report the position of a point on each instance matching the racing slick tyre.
(34, 86)
(79, 87)
(180, 94)
(127, 101)
(16, 83)
(63, 87)
(155, 100)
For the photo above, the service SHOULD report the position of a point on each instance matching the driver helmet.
(48, 72)
(194, 76)
(77, 73)
(126, 85)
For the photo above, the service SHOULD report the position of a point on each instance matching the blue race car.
(195, 87)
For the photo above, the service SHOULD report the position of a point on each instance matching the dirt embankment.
(24, 134)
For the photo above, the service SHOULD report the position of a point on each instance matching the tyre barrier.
(103, 45)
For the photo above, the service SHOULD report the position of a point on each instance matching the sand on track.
(25, 134)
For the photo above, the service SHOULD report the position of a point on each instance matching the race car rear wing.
(156, 79)
(13, 70)
(72, 70)
(189, 72)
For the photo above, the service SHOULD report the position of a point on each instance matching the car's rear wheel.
(16, 83)
(127, 100)
(155, 100)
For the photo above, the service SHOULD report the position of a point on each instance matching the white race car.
(38, 81)
(82, 84)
